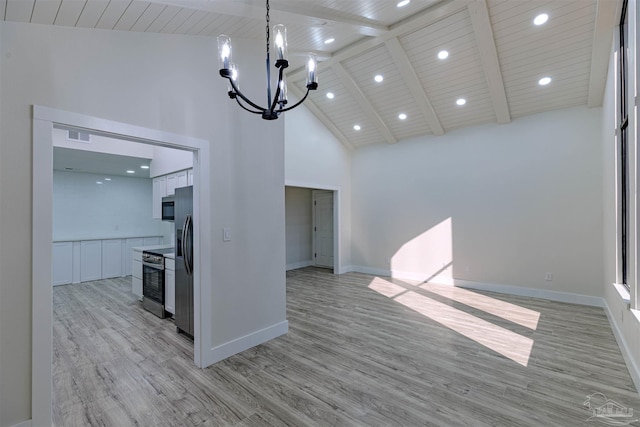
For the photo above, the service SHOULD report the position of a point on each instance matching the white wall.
(314, 158)
(298, 211)
(161, 82)
(102, 144)
(167, 160)
(84, 210)
(503, 204)
(626, 326)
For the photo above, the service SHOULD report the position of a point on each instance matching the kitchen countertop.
(58, 239)
(150, 248)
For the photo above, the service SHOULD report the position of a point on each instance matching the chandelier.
(277, 103)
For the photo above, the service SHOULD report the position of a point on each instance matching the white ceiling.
(496, 55)
(108, 165)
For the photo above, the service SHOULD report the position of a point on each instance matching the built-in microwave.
(168, 208)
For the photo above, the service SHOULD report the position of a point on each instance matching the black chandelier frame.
(272, 111)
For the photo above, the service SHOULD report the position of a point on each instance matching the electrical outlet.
(548, 276)
(226, 234)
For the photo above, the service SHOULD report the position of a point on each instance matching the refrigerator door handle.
(183, 243)
(186, 253)
(190, 243)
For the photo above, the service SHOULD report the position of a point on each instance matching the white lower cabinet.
(136, 274)
(169, 285)
(91, 260)
(111, 258)
(62, 263)
(129, 244)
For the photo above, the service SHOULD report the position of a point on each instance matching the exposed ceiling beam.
(305, 13)
(313, 108)
(363, 102)
(489, 57)
(606, 15)
(417, 21)
(408, 73)
(362, 25)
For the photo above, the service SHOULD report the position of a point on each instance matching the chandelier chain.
(267, 28)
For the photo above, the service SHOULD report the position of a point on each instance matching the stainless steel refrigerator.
(184, 259)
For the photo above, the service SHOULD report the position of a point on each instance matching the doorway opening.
(322, 228)
(312, 227)
(45, 120)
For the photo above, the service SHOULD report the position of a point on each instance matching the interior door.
(323, 228)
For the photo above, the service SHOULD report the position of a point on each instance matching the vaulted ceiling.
(496, 55)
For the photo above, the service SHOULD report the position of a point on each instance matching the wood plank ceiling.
(496, 54)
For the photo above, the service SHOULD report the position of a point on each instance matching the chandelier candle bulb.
(224, 52)
(276, 104)
(282, 99)
(234, 76)
(280, 41)
(312, 78)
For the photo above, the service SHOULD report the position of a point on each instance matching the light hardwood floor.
(360, 351)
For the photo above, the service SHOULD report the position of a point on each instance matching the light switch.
(226, 234)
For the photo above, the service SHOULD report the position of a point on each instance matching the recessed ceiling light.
(107, 179)
(461, 101)
(330, 95)
(544, 81)
(329, 41)
(403, 3)
(144, 167)
(131, 171)
(356, 127)
(98, 182)
(378, 78)
(443, 54)
(402, 116)
(541, 19)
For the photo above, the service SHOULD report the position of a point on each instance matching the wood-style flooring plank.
(361, 351)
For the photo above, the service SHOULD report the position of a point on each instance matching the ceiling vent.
(74, 135)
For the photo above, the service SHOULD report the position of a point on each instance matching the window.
(623, 148)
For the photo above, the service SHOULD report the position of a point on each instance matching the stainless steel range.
(153, 281)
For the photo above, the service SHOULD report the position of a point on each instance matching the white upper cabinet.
(166, 186)
(171, 184)
(181, 179)
(159, 191)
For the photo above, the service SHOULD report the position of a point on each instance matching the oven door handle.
(154, 266)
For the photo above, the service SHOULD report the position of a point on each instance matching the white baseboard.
(26, 423)
(241, 344)
(532, 292)
(482, 286)
(367, 270)
(571, 298)
(299, 264)
(624, 348)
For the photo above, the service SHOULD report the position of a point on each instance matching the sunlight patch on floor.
(386, 288)
(501, 340)
(505, 310)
